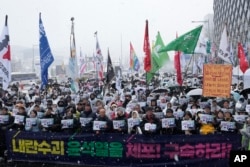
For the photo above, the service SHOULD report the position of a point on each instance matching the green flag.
(158, 59)
(185, 43)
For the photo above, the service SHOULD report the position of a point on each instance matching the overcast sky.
(117, 21)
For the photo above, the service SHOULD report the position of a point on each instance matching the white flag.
(201, 46)
(224, 48)
(5, 58)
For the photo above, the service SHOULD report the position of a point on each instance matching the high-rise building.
(235, 14)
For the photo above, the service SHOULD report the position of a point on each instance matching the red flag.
(146, 49)
(177, 65)
(242, 58)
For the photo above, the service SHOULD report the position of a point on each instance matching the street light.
(205, 21)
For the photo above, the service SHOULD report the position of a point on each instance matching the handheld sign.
(85, 121)
(118, 124)
(4, 119)
(149, 127)
(187, 125)
(98, 125)
(168, 122)
(31, 122)
(19, 119)
(67, 123)
(227, 126)
(240, 118)
(205, 118)
(133, 122)
(47, 122)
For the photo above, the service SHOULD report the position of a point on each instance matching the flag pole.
(95, 35)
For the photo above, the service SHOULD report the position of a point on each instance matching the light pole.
(205, 21)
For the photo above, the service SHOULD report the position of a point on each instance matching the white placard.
(159, 115)
(248, 107)
(187, 125)
(225, 110)
(4, 119)
(206, 118)
(142, 104)
(227, 126)
(149, 127)
(85, 121)
(118, 124)
(133, 122)
(31, 122)
(178, 114)
(67, 123)
(97, 125)
(19, 119)
(168, 122)
(47, 122)
(240, 118)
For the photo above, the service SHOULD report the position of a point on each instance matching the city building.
(236, 16)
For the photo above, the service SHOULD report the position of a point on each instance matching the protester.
(107, 123)
(171, 128)
(34, 125)
(245, 132)
(86, 118)
(120, 121)
(150, 125)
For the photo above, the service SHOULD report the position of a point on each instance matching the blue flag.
(46, 57)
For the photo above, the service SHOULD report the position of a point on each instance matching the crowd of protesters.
(132, 110)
